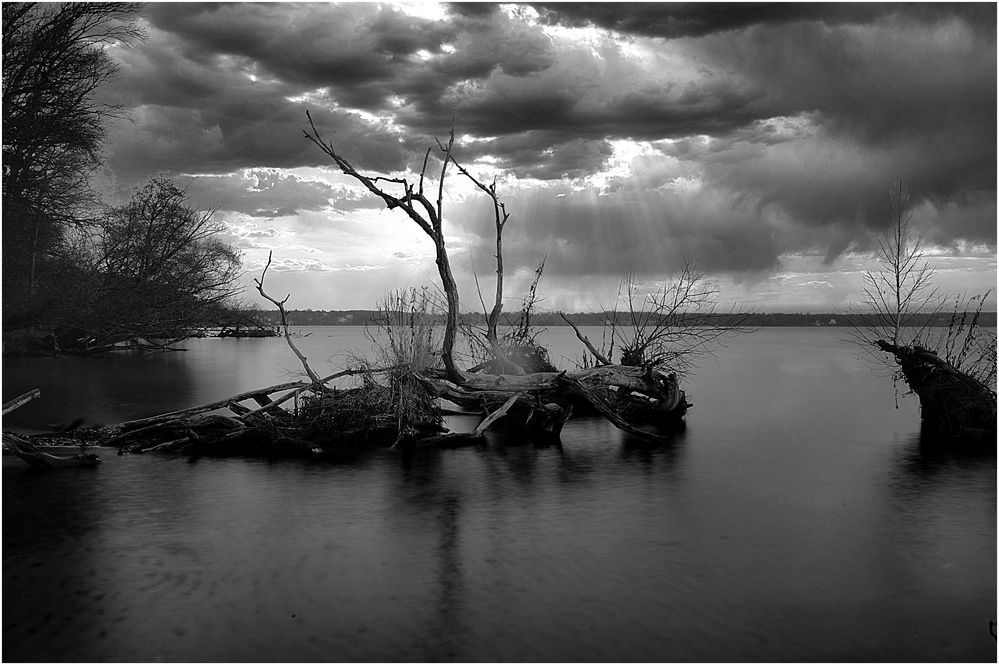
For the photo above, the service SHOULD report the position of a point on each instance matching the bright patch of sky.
(622, 138)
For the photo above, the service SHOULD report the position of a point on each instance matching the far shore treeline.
(361, 317)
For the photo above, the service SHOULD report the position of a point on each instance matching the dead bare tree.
(427, 214)
(902, 291)
(316, 381)
(554, 394)
(429, 217)
(500, 218)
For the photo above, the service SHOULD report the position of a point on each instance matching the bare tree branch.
(586, 341)
(317, 382)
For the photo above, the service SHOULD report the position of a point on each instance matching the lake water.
(797, 518)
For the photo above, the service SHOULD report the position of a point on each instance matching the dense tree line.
(79, 274)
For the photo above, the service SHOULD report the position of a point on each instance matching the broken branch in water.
(18, 402)
(284, 324)
(601, 358)
(497, 414)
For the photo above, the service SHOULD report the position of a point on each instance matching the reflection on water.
(99, 390)
(797, 518)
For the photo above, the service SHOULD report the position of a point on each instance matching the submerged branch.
(497, 414)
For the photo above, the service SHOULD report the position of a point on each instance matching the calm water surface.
(797, 518)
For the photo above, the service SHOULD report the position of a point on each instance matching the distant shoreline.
(553, 319)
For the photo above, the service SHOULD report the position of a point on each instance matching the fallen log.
(539, 403)
(296, 387)
(193, 428)
(605, 410)
(23, 449)
(220, 404)
(18, 402)
(630, 393)
(29, 453)
(450, 440)
(621, 376)
(952, 404)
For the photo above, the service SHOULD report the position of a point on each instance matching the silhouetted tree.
(668, 328)
(427, 214)
(901, 291)
(54, 60)
(545, 399)
(952, 373)
(158, 274)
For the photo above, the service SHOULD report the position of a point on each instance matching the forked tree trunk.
(451, 292)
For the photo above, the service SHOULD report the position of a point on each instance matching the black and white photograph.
(507, 333)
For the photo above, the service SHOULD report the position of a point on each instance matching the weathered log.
(497, 414)
(620, 376)
(210, 422)
(630, 392)
(952, 404)
(252, 441)
(262, 399)
(220, 404)
(450, 440)
(27, 451)
(296, 387)
(239, 409)
(18, 402)
(605, 410)
(538, 403)
(272, 407)
(166, 445)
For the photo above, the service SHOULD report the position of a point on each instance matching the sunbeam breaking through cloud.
(759, 141)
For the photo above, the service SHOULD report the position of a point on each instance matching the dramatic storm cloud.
(758, 140)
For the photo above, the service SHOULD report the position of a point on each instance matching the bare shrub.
(900, 300)
(519, 345)
(671, 327)
(965, 344)
(900, 293)
(408, 330)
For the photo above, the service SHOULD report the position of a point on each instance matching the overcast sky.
(760, 142)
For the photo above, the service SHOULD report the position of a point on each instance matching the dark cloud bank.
(798, 119)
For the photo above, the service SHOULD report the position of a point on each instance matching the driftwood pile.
(25, 449)
(293, 419)
(537, 405)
